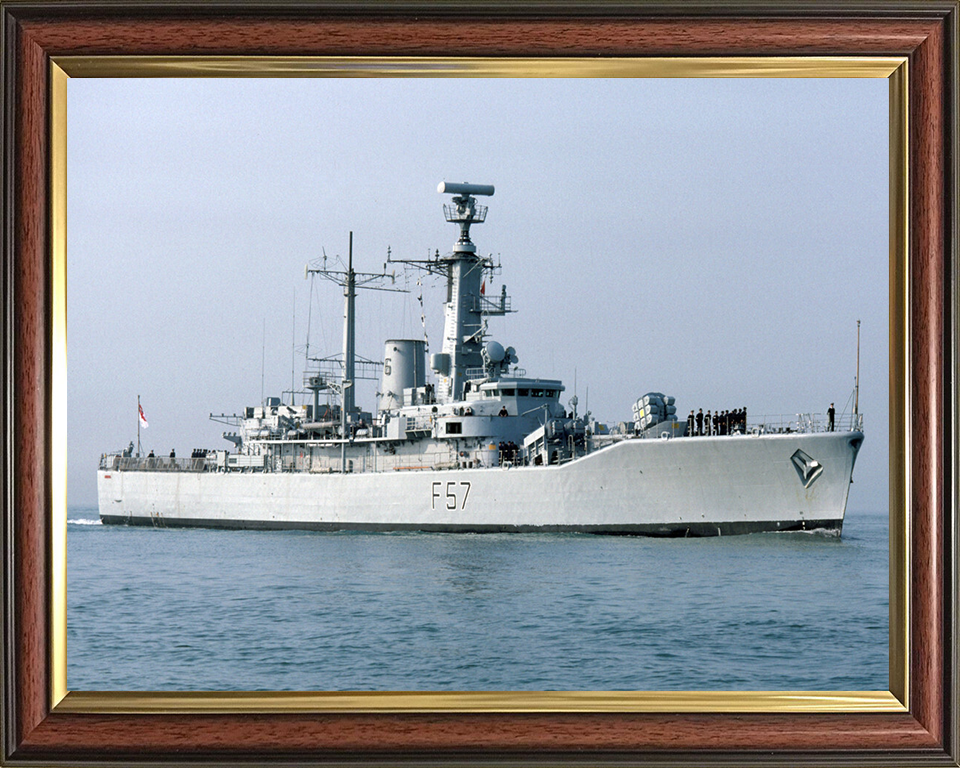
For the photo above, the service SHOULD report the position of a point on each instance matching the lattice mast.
(350, 281)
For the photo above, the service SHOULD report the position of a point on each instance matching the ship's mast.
(349, 332)
(467, 306)
(463, 324)
(856, 387)
(350, 281)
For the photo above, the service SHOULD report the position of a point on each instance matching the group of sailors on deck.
(720, 423)
(509, 452)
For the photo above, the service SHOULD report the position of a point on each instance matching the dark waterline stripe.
(655, 530)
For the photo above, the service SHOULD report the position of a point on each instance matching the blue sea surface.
(194, 609)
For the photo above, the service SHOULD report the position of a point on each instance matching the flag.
(483, 288)
(143, 419)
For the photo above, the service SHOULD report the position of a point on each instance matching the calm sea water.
(243, 610)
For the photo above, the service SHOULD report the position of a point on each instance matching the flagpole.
(856, 399)
(138, 427)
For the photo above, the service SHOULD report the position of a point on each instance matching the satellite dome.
(495, 352)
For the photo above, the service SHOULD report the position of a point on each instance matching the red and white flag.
(143, 419)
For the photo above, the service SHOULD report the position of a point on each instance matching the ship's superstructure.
(485, 447)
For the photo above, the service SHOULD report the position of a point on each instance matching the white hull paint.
(682, 486)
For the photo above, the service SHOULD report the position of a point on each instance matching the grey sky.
(715, 240)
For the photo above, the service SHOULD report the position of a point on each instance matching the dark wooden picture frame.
(35, 733)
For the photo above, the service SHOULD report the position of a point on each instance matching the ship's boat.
(483, 446)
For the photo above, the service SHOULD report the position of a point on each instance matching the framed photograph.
(356, 48)
(712, 176)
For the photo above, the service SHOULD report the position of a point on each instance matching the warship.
(479, 446)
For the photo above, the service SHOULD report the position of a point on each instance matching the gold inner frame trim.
(417, 66)
(895, 700)
(479, 701)
(899, 388)
(58, 370)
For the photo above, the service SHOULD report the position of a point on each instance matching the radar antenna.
(464, 210)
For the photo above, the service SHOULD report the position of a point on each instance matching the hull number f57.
(450, 495)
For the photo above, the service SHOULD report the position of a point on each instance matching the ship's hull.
(688, 486)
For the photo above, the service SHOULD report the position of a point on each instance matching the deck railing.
(784, 424)
(804, 422)
(156, 463)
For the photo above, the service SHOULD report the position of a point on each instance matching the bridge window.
(509, 392)
(523, 392)
(454, 428)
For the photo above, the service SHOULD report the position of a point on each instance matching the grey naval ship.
(480, 446)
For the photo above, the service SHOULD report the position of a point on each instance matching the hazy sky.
(715, 240)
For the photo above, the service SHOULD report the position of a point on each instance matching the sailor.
(700, 422)
(830, 414)
(150, 455)
(707, 423)
(690, 421)
(173, 453)
(503, 411)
